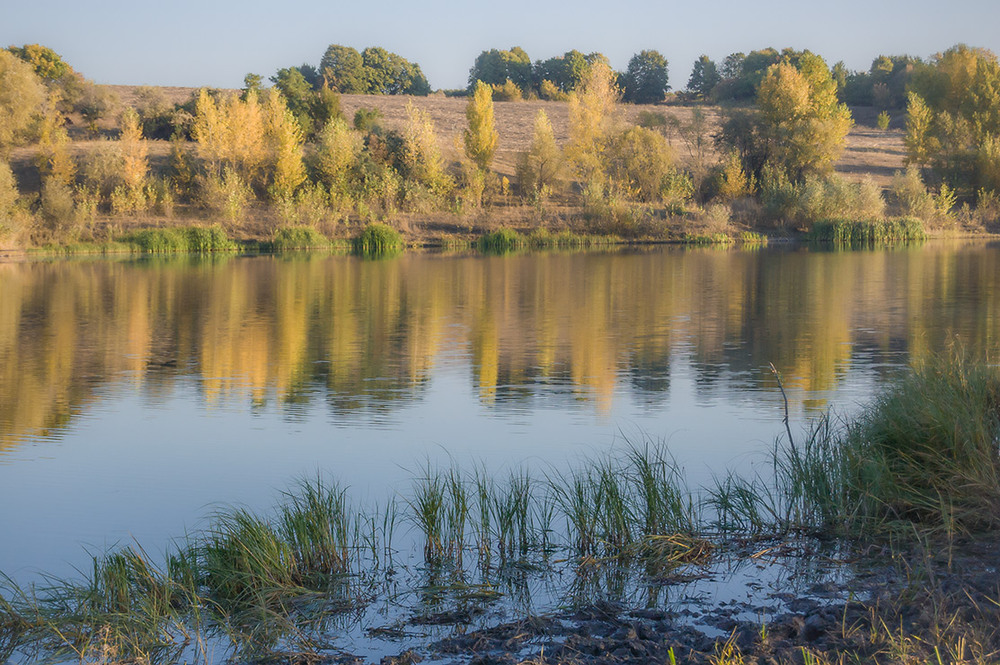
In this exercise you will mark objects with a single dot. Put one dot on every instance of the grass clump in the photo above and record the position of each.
(923, 456)
(501, 241)
(378, 239)
(192, 239)
(706, 239)
(545, 239)
(298, 237)
(926, 450)
(867, 233)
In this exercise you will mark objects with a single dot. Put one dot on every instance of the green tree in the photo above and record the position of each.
(22, 97)
(254, 82)
(646, 79)
(704, 77)
(343, 69)
(495, 67)
(481, 135)
(566, 71)
(387, 73)
(298, 94)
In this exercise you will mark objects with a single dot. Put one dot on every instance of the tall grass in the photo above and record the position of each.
(378, 239)
(501, 241)
(866, 233)
(191, 239)
(298, 237)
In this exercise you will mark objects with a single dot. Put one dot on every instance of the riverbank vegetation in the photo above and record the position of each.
(920, 460)
(265, 159)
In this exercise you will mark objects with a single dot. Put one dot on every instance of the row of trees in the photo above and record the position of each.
(738, 78)
(290, 147)
(645, 81)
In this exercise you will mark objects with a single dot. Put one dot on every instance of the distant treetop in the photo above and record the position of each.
(373, 71)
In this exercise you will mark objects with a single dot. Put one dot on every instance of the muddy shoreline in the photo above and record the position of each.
(935, 600)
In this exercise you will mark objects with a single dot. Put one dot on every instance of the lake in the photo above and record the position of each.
(138, 394)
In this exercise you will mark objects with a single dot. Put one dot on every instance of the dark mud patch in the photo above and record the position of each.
(939, 602)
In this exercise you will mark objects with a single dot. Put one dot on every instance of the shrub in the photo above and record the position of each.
(820, 198)
(158, 241)
(337, 152)
(57, 205)
(730, 181)
(227, 195)
(882, 121)
(377, 239)
(310, 207)
(422, 156)
(910, 196)
(127, 200)
(367, 120)
(508, 91)
(548, 90)
(8, 193)
(640, 165)
(209, 239)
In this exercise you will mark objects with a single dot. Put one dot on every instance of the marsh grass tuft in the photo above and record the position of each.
(298, 237)
(501, 241)
(378, 240)
(868, 233)
(191, 239)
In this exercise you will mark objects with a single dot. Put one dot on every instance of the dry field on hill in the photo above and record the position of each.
(869, 152)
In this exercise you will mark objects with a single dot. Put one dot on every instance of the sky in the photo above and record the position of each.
(216, 42)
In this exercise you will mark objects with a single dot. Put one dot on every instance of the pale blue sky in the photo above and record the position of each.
(216, 42)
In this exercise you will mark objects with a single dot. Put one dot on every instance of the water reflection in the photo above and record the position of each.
(366, 337)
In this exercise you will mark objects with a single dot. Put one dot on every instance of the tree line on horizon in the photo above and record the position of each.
(289, 148)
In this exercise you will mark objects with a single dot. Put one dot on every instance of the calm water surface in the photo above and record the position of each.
(137, 394)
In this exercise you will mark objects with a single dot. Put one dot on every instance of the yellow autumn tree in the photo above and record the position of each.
(803, 123)
(540, 169)
(592, 116)
(422, 155)
(230, 133)
(284, 139)
(130, 195)
(54, 159)
(481, 135)
(337, 150)
(22, 96)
